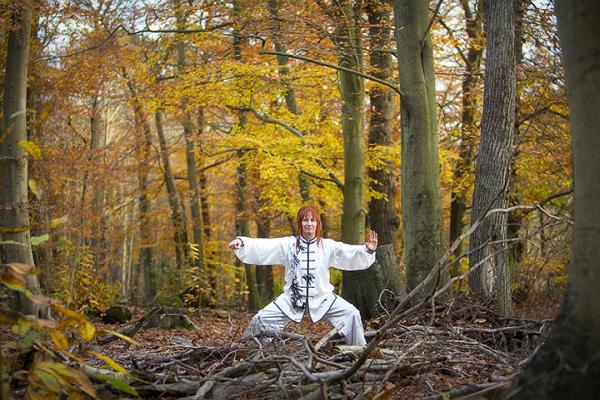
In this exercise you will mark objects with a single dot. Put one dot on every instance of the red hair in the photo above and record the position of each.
(304, 212)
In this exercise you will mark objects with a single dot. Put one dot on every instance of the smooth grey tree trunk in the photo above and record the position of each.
(14, 214)
(469, 125)
(487, 247)
(421, 210)
(567, 365)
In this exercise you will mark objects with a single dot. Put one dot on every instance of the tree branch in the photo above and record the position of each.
(336, 67)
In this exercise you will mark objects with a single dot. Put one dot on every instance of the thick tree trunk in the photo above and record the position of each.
(382, 212)
(348, 41)
(567, 365)
(488, 255)
(421, 210)
(376, 288)
(177, 218)
(15, 243)
(381, 286)
(469, 125)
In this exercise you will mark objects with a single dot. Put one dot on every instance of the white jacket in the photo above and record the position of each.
(306, 269)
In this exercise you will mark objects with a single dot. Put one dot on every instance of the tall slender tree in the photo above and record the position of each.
(469, 123)
(488, 256)
(242, 221)
(190, 143)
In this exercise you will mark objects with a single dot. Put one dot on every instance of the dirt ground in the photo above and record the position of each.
(461, 341)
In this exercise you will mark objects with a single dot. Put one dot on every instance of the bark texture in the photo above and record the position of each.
(14, 209)
(488, 255)
(469, 122)
(567, 366)
(382, 213)
(179, 229)
(348, 41)
(421, 210)
(190, 147)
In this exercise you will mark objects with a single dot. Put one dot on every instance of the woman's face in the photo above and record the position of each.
(309, 226)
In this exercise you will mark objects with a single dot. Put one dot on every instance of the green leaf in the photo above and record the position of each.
(48, 380)
(22, 327)
(35, 189)
(119, 384)
(37, 240)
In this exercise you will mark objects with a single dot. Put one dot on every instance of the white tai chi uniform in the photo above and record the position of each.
(307, 287)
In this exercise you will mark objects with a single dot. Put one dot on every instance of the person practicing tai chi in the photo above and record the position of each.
(307, 257)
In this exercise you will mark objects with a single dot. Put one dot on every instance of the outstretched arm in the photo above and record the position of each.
(260, 251)
(354, 257)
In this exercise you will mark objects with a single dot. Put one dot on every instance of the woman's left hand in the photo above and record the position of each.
(372, 241)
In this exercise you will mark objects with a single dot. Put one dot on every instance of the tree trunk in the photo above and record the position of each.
(143, 284)
(515, 219)
(177, 218)
(487, 246)
(203, 182)
(242, 223)
(469, 125)
(382, 213)
(352, 91)
(421, 210)
(264, 273)
(141, 277)
(188, 133)
(348, 41)
(290, 94)
(567, 365)
(380, 285)
(97, 224)
(14, 214)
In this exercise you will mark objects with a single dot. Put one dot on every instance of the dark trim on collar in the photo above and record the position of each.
(303, 240)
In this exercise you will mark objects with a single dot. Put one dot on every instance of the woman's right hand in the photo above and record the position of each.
(235, 244)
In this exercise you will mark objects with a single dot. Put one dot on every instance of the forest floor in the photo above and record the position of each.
(456, 348)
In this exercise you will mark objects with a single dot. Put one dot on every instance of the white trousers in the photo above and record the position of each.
(341, 314)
